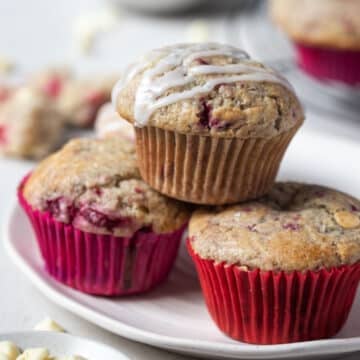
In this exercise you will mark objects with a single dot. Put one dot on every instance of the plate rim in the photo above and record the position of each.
(201, 347)
(193, 347)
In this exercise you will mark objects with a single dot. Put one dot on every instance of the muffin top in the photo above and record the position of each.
(208, 89)
(95, 185)
(324, 23)
(295, 227)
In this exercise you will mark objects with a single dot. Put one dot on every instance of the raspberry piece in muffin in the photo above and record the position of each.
(30, 126)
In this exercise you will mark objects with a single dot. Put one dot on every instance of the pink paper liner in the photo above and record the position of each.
(329, 64)
(265, 307)
(103, 264)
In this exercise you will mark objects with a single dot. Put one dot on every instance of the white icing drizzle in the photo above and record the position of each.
(173, 69)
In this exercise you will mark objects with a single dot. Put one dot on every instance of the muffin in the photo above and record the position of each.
(77, 99)
(326, 34)
(109, 123)
(100, 228)
(281, 269)
(30, 126)
(80, 99)
(211, 124)
(51, 81)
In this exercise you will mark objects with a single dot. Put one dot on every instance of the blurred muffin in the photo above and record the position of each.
(326, 34)
(80, 99)
(30, 126)
(107, 232)
(211, 124)
(109, 123)
(51, 80)
(77, 99)
(281, 269)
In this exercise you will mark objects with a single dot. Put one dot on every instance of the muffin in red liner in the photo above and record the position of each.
(280, 270)
(329, 64)
(326, 35)
(128, 250)
(266, 307)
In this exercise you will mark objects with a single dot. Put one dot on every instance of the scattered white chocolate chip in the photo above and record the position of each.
(48, 325)
(35, 354)
(89, 25)
(237, 215)
(6, 65)
(9, 349)
(198, 31)
(73, 357)
(346, 219)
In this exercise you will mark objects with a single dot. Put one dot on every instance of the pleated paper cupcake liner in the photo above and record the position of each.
(265, 307)
(103, 264)
(330, 64)
(209, 170)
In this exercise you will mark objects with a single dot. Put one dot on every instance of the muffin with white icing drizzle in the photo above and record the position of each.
(280, 269)
(211, 124)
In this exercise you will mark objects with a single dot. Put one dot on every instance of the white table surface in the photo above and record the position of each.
(38, 32)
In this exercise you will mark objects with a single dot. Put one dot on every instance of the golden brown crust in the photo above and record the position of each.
(95, 185)
(296, 227)
(325, 23)
(239, 109)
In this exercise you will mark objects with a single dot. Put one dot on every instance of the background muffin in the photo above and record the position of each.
(109, 123)
(300, 237)
(326, 34)
(90, 196)
(30, 126)
(211, 124)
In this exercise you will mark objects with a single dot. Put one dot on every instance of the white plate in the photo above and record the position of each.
(60, 344)
(174, 316)
(266, 43)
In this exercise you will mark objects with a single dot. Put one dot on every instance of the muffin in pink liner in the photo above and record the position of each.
(100, 228)
(326, 35)
(281, 269)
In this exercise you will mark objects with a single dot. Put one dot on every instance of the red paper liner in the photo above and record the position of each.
(103, 264)
(330, 64)
(265, 307)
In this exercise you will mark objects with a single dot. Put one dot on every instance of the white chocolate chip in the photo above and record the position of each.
(198, 31)
(88, 26)
(346, 219)
(6, 65)
(35, 354)
(73, 357)
(48, 325)
(9, 349)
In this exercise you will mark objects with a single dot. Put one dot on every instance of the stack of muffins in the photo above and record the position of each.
(277, 263)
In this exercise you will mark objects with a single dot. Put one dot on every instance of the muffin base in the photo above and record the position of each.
(208, 170)
(103, 264)
(329, 64)
(265, 307)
